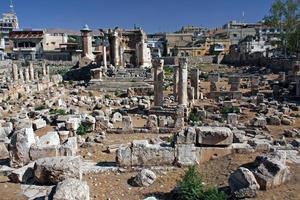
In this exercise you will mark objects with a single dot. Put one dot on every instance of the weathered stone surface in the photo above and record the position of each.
(117, 117)
(4, 154)
(56, 169)
(271, 170)
(186, 136)
(214, 136)
(22, 175)
(187, 154)
(144, 178)
(38, 124)
(72, 189)
(69, 148)
(243, 183)
(21, 142)
(259, 122)
(274, 120)
(123, 156)
(51, 138)
(145, 154)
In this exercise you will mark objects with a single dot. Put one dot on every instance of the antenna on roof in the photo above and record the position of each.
(12, 6)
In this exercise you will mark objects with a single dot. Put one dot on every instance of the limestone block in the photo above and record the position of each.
(56, 169)
(243, 183)
(72, 189)
(214, 136)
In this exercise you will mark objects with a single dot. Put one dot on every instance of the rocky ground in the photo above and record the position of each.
(35, 126)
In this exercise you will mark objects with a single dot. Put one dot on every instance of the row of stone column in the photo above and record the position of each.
(28, 74)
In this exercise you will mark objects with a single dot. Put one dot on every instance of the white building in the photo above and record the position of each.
(2, 47)
(251, 45)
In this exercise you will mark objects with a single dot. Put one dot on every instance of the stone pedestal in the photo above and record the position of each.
(260, 98)
(158, 82)
(183, 82)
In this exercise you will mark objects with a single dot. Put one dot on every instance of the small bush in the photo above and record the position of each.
(168, 71)
(227, 110)
(191, 188)
(194, 116)
(58, 112)
(83, 129)
(107, 96)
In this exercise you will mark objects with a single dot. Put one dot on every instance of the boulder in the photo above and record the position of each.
(274, 120)
(271, 170)
(243, 184)
(56, 169)
(214, 136)
(259, 122)
(117, 117)
(72, 189)
(38, 124)
(21, 142)
(144, 178)
(22, 175)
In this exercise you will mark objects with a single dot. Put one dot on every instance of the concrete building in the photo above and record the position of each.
(237, 31)
(2, 47)
(251, 45)
(41, 44)
(156, 43)
(177, 40)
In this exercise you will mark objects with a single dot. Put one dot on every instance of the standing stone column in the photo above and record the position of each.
(175, 82)
(27, 76)
(158, 82)
(115, 48)
(104, 58)
(21, 74)
(48, 71)
(183, 82)
(44, 70)
(260, 98)
(195, 82)
(15, 72)
(31, 72)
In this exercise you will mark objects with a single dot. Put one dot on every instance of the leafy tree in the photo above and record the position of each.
(285, 15)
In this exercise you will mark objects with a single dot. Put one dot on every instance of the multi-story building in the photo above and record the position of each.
(156, 43)
(41, 44)
(8, 23)
(2, 48)
(237, 31)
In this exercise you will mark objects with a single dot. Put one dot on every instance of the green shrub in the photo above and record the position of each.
(83, 129)
(194, 116)
(58, 112)
(191, 188)
(233, 109)
(168, 71)
(107, 96)
(119, 93)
